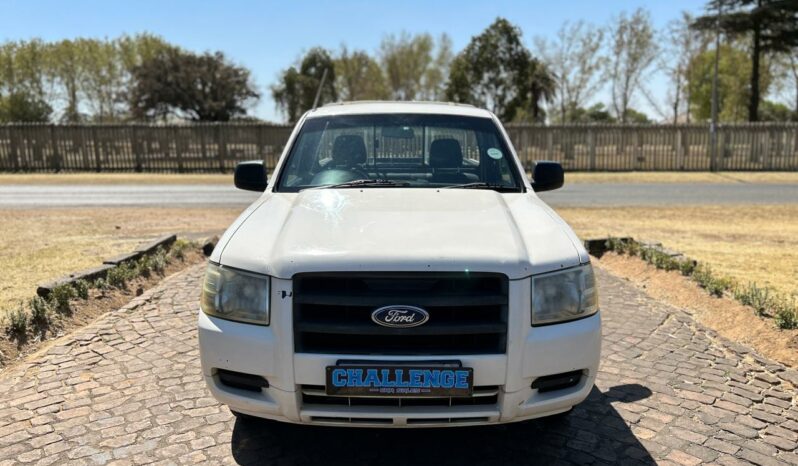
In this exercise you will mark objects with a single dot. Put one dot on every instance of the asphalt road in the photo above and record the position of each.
(574, 195)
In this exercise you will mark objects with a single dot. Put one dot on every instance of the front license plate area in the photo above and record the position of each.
(399, 380)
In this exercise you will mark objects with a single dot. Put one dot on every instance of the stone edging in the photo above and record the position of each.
(144, 249)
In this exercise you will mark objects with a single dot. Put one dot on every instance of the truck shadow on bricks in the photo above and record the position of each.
(593, 433)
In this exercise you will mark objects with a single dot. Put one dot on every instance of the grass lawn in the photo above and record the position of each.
(748, 243)
(42, 244)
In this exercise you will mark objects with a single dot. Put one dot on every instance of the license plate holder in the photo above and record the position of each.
(415, 379)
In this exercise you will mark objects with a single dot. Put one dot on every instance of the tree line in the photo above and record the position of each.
(131, 78)
(584, 73)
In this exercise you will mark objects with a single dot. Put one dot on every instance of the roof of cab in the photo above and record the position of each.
(377, 106)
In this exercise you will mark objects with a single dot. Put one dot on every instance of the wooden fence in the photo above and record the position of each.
(218, 147)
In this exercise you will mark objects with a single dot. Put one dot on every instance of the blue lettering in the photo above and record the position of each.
(355, 377)
(433, 378)
(338, 378)
(447, 379)
(371, 378)
(399, 378)
(415, 378)
(462, 379)
(386, 379)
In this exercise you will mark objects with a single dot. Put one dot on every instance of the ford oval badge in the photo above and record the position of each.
(400, 316)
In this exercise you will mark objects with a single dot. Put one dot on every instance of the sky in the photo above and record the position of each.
(268, 36)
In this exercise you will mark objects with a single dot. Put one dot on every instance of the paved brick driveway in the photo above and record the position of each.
(127, 390)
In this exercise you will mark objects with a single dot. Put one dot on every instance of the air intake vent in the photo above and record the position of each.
(467, 313)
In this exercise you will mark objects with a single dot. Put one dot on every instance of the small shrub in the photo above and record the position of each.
(60, 296)
(716, 286)
(179, 247)
(158, 261)
(786, 314)
(687, 267)
(119, 276)
(758, 298)
(82, 289)
(40, 310)
(17, 322)
(144, 267)
(101, 284)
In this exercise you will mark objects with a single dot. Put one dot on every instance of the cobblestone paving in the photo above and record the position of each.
(127, 390)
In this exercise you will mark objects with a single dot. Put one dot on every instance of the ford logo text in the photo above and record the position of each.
(400, 316)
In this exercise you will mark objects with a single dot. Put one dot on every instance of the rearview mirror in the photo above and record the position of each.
(547, 176)
(250, 176)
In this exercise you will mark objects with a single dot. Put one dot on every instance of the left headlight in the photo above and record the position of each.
(236, 295)
(565, 295)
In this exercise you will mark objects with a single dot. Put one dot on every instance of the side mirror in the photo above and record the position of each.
(250, 176)
(547, 176)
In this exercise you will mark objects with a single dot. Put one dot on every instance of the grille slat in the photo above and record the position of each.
(468, 313)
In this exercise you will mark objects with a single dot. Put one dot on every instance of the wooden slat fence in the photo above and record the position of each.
(215, 147)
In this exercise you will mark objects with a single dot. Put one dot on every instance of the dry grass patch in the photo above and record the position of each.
(682, 177)
(43, 244)
(115, 178)
(748, 243)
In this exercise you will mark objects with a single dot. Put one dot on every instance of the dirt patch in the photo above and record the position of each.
(84, 311)
(726, 316)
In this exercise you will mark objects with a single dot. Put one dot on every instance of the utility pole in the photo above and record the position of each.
(713, 125)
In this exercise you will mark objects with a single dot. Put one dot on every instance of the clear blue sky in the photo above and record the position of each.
(268, 36)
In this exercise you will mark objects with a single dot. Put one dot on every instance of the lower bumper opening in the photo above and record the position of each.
(241, 380)
(482, 396)
(550, 383)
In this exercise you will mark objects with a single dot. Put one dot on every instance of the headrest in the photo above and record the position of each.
(445, 153)
(349, 149)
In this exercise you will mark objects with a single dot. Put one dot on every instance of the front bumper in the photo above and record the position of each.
(532, 352)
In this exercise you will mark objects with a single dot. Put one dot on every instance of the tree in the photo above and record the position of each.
(771, 25)
(415, 67)
(20, 106)
(295, 92)
(575, 58)
(203, 87)
(683, 44)
(633, 50)
(358, 76)
(734, 68)
(497, 72)
(775, 111)
(596, 113)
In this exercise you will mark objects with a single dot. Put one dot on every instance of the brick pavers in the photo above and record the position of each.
(127, 389)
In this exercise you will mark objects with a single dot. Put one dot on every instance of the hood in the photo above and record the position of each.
(398, 230)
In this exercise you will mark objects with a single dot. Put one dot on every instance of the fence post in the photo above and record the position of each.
(220, 141)
(549, 144)
(178, 149)
(13, 139)
(55, 157)
(766, 162)
(591, 147)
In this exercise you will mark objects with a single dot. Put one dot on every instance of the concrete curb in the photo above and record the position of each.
(144, 249)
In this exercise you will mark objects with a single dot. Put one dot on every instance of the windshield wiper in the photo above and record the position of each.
(480, 185)
(362, 184)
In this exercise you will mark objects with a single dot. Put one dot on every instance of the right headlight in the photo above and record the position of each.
(564, 295)
(236, 295)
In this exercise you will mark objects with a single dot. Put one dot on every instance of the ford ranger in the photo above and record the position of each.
(399, 270)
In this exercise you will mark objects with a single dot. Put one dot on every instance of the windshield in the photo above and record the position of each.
(399, 151)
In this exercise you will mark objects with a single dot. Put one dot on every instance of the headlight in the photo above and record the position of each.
(563, 296)
(235, 295)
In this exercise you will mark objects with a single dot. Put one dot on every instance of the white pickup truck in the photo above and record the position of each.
(399, 271)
